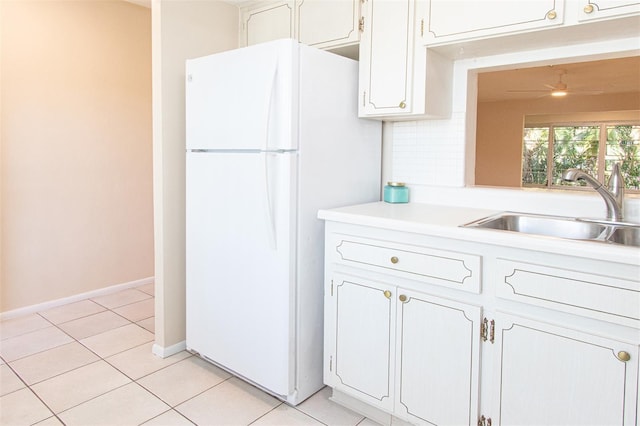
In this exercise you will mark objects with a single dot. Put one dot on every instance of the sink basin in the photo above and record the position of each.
(552, 226)
(562, 227)
(627, 235)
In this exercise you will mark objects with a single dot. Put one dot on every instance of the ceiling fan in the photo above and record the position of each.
(558, 89)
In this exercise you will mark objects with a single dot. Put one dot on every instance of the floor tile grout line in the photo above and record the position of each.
(175, 407)
(125, 304)
(64, 372)
(168, 411)
(293, 407)
(100, 358)
(93, 397)
(137, 380)
(74, 319)
(30, 389)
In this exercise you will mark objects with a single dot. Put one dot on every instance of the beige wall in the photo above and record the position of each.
(499, 130)
(76, 165)
(182, 29)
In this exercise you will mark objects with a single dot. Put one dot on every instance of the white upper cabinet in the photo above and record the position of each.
(399, 78)
(386, 57)
(325, 24)
(458, 20)
(267, 22)
(328, 23)
(599, 9)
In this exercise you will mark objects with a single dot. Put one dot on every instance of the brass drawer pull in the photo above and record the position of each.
(624, 356)
(394, 260)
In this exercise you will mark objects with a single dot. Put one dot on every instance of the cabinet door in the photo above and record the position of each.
(458, 20)
(438, 360)
(599, 9)
(549, 375)
(386, 58)
(361, 336)
(266, 23)
(328, 23)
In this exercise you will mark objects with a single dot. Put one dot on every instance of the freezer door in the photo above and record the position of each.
(239, 263)
(242, 99)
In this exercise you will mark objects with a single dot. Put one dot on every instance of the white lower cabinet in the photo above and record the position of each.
(363, 316)
(407, 353)
(531, 343)
(437, 360)
(550, 375)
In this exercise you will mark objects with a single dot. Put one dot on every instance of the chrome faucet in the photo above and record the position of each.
(613, 196)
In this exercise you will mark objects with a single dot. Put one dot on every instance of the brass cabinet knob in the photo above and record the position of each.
(394, 260)
(387, 294)
(588, 8)
(552, 15)
(402, 105)
(624, 356)
(402, 298)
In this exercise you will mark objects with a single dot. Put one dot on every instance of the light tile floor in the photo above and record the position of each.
(90, 363)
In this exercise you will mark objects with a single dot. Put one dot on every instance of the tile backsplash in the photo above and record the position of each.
(429, 152)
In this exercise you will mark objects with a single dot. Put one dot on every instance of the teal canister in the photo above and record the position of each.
(396, 192)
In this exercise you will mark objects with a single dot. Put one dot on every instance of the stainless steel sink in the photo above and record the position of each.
(627, 235)
(562, 227)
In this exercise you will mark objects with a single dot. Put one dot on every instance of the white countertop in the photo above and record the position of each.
(446, 221)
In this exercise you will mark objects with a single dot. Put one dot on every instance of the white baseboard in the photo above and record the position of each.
(165, 352)
(75, 298)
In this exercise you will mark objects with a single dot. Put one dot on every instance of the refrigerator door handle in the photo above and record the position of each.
(269, 104)
(271, 224)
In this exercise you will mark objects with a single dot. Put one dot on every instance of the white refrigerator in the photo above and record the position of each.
(272, 136)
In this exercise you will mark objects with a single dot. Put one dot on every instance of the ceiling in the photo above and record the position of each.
(598, 77)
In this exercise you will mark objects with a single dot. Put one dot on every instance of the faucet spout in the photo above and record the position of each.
(613, 196)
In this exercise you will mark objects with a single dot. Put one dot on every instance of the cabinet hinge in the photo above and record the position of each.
(484, 421)
(330, 363)
(331, 288)
(361, 24)
(484, 329)
(422, 27)
(488, 330)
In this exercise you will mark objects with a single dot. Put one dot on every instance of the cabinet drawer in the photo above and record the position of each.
(439, 267)
(598, 296)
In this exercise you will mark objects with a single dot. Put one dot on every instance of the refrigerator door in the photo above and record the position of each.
(240, 222)
(242, 99)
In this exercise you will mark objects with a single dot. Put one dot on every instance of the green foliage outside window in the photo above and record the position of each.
(545, 158)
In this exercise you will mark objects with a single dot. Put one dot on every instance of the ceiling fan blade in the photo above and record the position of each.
(587, 92)
(528, 91)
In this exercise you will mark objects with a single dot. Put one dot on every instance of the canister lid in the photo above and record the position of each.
(395, 183)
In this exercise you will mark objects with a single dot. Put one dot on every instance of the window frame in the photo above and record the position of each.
(602, 149)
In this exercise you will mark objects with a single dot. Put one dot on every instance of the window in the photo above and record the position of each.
(549, 150)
